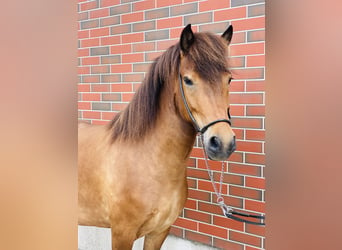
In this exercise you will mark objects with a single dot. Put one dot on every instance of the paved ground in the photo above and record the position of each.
(93, 238)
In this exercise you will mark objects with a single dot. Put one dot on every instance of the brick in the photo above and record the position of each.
(163, 3)
(178, 232)
(109, 21)
(163, 45)
(198, 216)
(101, 69)
(249, 146)
(256, 123)
(83, 16)
(237, 62)
(255, 229)
(100, 87)
(245, 238)
(185, 223)
(121, 29)
(199, 195)
(213, 230)
(99, 32)
(213, 4)
(152, 56)
(233, 179)
(90, 42)
(89, 5)
(226, 222)
(141, 67)
(245, 192)
(169, 22)
(256, 10)
(257, 206)
(120, 49)
(157, 13)
(255, 135)
(249, 24)
(224, 244)
(255, 110)
(110, 40)
(90, 60)
(89, 24)
(101, 106)
(99, 13)
(83, 70)
(198, 18)
(132, 17)
(244, 169)
(123, 87)
(143, 5)
(256, 36)
(247, 49)
(256, 61)
(127, 97)
(119, 106)
(255, 158)
(229, 14)
(209, 207)
(83, 87)
(141, 47)
(131, 58)
(107, 115)
(197, 173)
(81, 34)
(135, 77)
(245, 2)
(121, 9)
(156, 35)
(99, 51)
(84, 105)
(246, 98)
(192, 204)
(217, 28)
(91, 97)
(91, 115)
(111, 78)
(198, 237)
(113, 97)
(107, 3)
(143, 26)
(236, 86)
(252, 86)
(90, 79)
(249, 73)
(112, 59)
(184, 9)
(99, 122)
(255, 182)
(133, 38)
(238, 37)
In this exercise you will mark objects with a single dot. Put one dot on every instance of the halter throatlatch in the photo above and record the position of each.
(227, 210)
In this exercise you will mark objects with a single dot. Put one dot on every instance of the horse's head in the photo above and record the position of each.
(204, 80)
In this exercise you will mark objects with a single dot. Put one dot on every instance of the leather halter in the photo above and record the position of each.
(194, 122)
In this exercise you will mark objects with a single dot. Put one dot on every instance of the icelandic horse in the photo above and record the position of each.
(132, 171)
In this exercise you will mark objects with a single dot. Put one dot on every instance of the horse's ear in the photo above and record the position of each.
(187, 38)
(228, 34)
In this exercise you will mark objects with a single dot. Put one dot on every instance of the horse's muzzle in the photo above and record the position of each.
(217, 151)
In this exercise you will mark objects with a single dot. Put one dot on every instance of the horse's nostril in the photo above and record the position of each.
(215, 144)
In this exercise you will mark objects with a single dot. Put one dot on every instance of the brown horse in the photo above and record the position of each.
(132, 172)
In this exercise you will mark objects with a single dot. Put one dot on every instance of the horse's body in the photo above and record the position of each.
(132, 172)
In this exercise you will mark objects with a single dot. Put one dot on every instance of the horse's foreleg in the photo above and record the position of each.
(122, 241)
(154, 241)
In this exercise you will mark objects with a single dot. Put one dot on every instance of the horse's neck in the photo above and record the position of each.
(172, 134)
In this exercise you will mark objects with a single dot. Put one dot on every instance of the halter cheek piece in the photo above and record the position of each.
(227, 211)
(194, 122)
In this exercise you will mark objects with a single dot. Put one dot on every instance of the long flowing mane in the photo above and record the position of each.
(209, 57)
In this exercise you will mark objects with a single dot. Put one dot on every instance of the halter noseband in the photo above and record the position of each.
(197, 127)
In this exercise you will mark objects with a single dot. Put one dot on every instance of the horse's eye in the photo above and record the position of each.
(230, 79)
(187, 81)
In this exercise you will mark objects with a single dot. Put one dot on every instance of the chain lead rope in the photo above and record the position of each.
(227, 210)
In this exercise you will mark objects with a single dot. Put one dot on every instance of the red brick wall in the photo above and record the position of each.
(118, 40)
